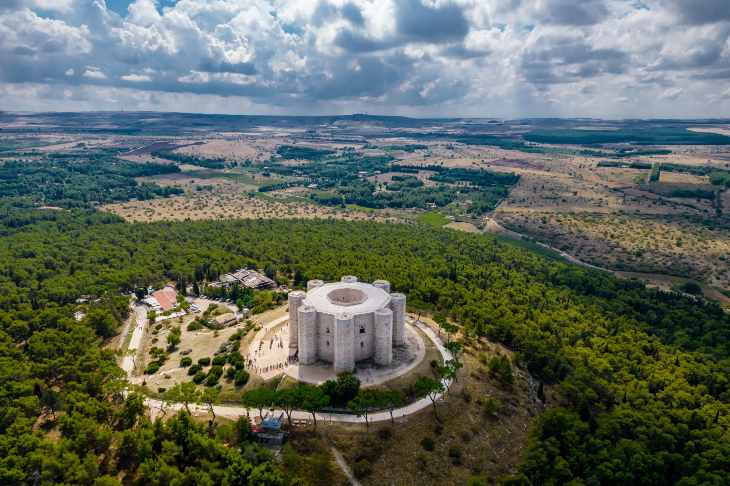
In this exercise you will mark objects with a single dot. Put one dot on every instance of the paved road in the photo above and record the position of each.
(140, 317)
(234, 411)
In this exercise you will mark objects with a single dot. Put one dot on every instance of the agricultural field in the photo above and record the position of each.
(655, 195)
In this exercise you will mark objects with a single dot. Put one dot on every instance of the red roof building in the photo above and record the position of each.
(167, 297)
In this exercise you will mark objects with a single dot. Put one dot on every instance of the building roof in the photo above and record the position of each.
(351, 298)
(166, 296)
(225, 318)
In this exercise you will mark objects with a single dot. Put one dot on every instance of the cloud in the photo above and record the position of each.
(433, 24)
(702, 11)
(554, 59)
(571, 12)
(135, 78)
(427, 57)
(94, 73)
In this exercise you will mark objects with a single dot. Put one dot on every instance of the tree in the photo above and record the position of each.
(287, 400)
(258, 398)
(447, 327)
(501, 368)
(344, 389)
(365, 402)
(450, 369)
(312, 399)
(101, 320)
(428, 387)
(173, 338)
(455, 348)
(392, 399)
(209, 397)
(132, 409)
(185, 393)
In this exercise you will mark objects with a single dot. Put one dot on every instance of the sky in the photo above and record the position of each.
(441, 58)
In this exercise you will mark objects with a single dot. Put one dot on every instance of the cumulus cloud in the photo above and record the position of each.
(418, 57)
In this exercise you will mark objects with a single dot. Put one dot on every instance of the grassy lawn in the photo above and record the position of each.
(362, 209)
(432, 218)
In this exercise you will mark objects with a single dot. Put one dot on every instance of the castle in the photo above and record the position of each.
(346, 322)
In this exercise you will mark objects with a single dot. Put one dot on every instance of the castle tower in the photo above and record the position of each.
(398, 306)
(344, 343)
(384, 285)
(307, 320)
(296, 299)
(383, 336)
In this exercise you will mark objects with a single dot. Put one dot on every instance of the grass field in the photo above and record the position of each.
(433, 218)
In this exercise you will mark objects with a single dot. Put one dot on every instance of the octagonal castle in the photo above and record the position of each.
(346, 322)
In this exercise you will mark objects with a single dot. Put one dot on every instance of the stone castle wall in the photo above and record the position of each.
(326, 330)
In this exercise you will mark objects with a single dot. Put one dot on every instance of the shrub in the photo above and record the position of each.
(241, 378)
(230, 373)
(500, 368)
(219, 360)
(185, 362)
(427, 443)
(691, 287)
(194, 369)
(237, 336)
(199, 377)
(362, 468)
(204, 361)
(477, 481)
(195, 326)
(212, 380)
(385, 433)
(214, 375)
(455, 455)
(236, 360)
(152, 368)
(491, 407)
(161, 390)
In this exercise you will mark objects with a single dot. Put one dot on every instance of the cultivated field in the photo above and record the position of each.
(217, 205)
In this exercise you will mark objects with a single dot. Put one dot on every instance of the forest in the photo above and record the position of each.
(339, 180)
(641, 376)
(665, 135)
(77, 181)
(181, 158)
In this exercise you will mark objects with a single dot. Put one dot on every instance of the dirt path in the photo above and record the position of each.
(345, 468)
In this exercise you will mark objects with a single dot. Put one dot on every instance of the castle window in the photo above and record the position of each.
(362, 329)
(362, 344)
(328, 344)
(327, 330)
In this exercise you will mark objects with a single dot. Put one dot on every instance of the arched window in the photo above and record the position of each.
(362, 344)
(328, 344)
(362, 329)
(327, 330)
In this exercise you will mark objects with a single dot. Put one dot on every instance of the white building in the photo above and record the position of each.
(346, 322)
